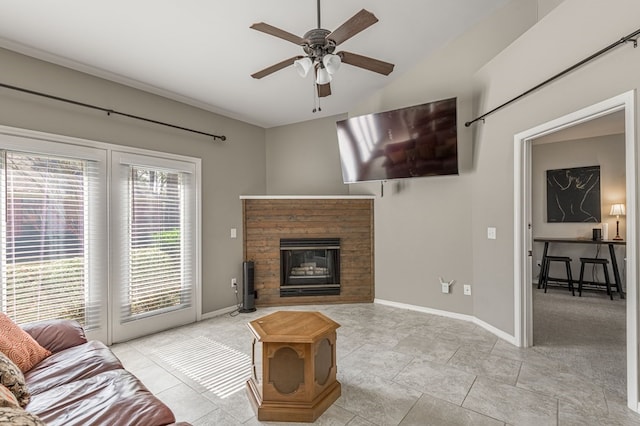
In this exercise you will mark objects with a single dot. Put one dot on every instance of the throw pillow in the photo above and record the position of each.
(19, 346)
(18, 417)
(13, 379)
(7, 399)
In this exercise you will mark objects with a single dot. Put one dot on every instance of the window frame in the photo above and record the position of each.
(31, 141)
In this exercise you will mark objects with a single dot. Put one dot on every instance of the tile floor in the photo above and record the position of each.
(396, 367)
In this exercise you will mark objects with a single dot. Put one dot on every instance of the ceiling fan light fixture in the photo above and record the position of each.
(323, 76)
(331, 62)
(303, 66)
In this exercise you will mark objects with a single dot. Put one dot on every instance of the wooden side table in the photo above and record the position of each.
(294, 377)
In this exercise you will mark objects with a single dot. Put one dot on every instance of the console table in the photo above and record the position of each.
(612, 253)
(294, 369)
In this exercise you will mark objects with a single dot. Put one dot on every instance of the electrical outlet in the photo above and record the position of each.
(467, 290)
(234, 282)
(491, 233)
(445, 288)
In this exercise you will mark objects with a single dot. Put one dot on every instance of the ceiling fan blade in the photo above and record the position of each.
(358, 22)
(367, 63)
(324, 90)
(276, 67)
(277, 32)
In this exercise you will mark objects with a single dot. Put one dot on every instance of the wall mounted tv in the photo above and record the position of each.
(416, 141)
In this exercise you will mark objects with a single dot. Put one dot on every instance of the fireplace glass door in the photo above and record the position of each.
(309, 266)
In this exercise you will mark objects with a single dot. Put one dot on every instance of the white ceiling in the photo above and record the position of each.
(202, 52)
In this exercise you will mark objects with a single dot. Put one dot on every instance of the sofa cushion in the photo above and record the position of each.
(18, 417)
(113, 397)
(56, 335)
(13, 379)
(75, 363)
(7, 398)
(19, 346)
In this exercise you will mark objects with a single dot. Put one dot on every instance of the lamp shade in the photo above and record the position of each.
(323, 76)
(303, 66)
(617, 210)
(331, 62)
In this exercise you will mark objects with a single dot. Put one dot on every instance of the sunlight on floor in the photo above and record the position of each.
(219, 368)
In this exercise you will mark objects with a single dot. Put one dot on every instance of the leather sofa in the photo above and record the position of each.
(84, 383)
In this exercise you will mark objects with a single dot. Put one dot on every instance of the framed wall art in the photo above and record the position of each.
(573, 195)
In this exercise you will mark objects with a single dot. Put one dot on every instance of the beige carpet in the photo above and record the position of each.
(588, 333)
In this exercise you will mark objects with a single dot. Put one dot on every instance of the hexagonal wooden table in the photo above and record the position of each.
(294, 379)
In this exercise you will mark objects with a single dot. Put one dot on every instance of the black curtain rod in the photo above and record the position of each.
(111, 111)
(631, 37)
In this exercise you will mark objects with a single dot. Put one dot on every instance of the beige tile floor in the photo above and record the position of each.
(397, 367)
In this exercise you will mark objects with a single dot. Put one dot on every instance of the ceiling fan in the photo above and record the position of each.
(319, 46)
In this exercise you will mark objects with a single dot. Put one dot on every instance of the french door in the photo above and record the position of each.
(94, 234)
(153, 222)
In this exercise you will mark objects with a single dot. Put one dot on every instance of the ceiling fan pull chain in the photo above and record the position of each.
(315, 98)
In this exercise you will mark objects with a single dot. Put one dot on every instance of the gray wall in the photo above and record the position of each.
(422, 226)
(431, 227)
(565, 36)
(546, 6)
(605, 151)
(303, 159)
(229, 168)
(425, 228)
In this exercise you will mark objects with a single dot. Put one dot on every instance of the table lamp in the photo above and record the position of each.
(617, 210)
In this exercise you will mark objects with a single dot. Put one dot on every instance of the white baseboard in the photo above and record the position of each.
(448, 314)
(219, 312)
(470, 318)
(491, 329)
(454, 315)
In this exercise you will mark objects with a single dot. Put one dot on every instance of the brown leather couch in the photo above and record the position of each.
(84, 383)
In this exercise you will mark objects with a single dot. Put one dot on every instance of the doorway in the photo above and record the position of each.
(523, 241)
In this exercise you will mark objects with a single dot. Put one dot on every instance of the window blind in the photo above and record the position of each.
(46, 238)
(158, 268)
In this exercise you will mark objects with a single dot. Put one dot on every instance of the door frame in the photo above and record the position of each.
(523, 240)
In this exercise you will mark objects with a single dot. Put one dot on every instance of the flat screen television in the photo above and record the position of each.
(416, 141)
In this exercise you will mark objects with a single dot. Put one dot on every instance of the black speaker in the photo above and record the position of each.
(248, 291)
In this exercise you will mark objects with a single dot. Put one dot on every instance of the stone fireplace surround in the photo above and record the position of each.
(267, 219)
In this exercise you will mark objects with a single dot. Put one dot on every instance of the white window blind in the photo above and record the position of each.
(46, 237)
(158, 270)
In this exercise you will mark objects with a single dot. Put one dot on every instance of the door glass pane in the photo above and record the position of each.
(158, 264)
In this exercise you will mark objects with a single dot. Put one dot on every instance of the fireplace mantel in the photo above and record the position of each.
(267, 219)
(307, 197)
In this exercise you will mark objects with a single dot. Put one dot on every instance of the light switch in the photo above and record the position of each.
(234, 234)
(491, 233)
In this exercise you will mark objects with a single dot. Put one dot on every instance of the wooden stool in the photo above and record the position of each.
(595, 261)
(547, 264)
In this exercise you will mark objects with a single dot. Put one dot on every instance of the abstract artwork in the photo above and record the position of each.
(573, 195)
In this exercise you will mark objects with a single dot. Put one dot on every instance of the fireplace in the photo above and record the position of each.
(309, 266)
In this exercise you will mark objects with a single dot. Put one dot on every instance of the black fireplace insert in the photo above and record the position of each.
(309, 266)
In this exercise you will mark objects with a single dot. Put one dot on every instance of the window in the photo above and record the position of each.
(47, 237)
(123, 262)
